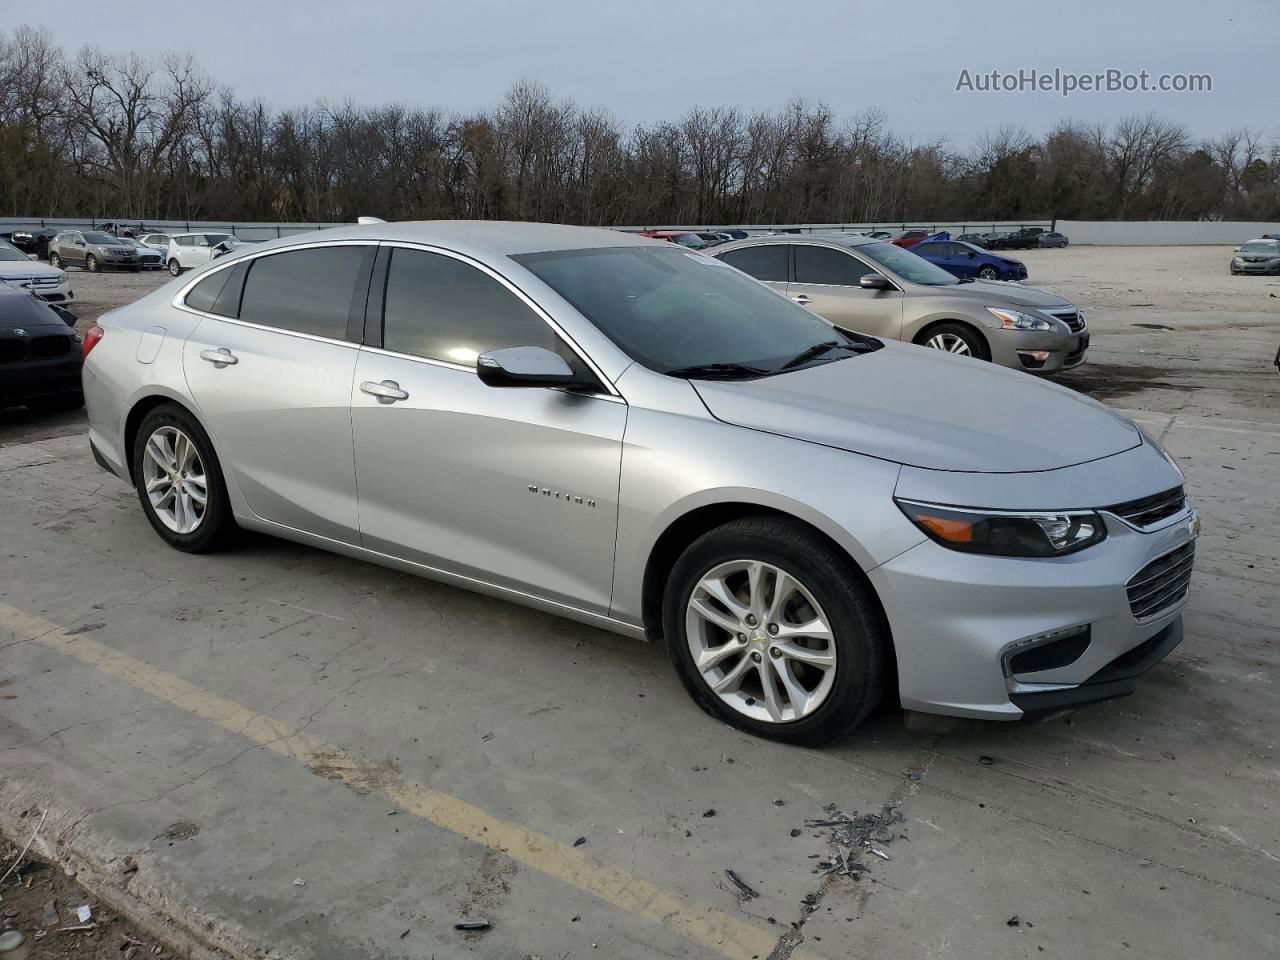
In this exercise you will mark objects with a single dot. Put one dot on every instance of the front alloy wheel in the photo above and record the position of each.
(773, 629)
(989, 273)
(760, 641)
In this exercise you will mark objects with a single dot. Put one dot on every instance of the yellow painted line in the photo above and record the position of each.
(729, 936)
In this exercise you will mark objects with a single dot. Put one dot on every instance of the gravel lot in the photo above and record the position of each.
(358, 759)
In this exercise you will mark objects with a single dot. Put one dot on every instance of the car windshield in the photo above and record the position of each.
(673, 310)
(101, 238)
(690, 240)
(1261, 246)
(9, 252)
(906, 264)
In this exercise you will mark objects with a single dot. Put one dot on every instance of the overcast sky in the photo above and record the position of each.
(649, 60)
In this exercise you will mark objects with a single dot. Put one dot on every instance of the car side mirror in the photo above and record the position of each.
(523, 367)
(874, 281)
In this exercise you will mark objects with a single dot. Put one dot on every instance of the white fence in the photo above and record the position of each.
(1165, 232)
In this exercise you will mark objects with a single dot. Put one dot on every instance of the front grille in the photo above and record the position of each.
(1161, 583)
(33, 283)
(42, 348)
(12, 350)
(1152, 509)
(1074, 319)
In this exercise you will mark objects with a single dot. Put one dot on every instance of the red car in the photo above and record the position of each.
(909, 239)
(686, 238)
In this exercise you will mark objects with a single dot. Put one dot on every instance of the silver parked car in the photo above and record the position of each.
(92, 250)
(877, 288)
(634, 435)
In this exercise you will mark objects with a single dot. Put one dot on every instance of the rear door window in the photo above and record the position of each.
(304, 291)
(767, 261)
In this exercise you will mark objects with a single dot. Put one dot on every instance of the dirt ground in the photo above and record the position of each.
(41, 902)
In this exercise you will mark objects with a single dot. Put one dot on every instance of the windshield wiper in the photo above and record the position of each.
(817, 350)
(717, 371)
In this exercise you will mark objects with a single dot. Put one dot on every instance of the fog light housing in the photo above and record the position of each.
(1033, 359)
(1046, 651)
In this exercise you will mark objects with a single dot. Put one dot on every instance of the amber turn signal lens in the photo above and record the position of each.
(953, 531)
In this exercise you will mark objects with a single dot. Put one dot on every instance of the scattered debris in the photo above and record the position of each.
(986, 761)
(851, 835)
(11, 941)
(299, 882)
(1013, 921)
(85, 628)
(180, 830)
(406, 932)
(580, 841)
(710, 813)
(796, 831)
(779, 803)
(737, 881)
(83, 913)
(477, 924)
(50, 916)
(34, 833)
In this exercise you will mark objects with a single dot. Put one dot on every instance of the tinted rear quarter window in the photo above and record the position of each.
(827, 266)
(768, 261)
(443, 309)
(305, 291)
(205, 293)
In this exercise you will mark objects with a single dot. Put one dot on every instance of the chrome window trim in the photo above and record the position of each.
(179, 298)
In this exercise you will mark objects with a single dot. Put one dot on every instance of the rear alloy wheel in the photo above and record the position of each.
(958, 339)
(179, 481)
(175, 268)
(91, 263)
(771, 631)
(988, 273)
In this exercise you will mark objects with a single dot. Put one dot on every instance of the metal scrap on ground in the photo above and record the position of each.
(851, 835)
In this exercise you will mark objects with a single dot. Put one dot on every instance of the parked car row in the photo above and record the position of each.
(811, 520)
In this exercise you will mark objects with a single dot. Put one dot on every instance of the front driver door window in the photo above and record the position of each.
(826, 281)
(515, 487)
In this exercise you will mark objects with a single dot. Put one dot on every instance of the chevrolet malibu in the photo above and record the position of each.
(639, 437)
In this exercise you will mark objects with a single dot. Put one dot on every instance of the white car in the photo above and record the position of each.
(19, 270)
(156, 241)
(189, 250)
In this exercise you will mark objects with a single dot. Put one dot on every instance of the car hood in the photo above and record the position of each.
(925, 408)
(31, 268)
(994, 293)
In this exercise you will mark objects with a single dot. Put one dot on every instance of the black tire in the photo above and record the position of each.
(135, 269)
(55, 260)
(217, 526)
(175, 268)
(58, 404)
(988, 273)
(976, 344)
(861, 641)
(91, 263)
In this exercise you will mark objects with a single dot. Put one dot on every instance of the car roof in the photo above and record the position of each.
(483, 237)
(818, 239)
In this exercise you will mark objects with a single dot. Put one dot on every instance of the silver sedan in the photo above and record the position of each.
(642, 438)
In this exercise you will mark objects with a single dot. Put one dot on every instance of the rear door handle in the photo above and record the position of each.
(802, 299)
(388, 391)
(222, 357)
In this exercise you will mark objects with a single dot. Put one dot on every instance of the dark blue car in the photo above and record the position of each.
(967, 260)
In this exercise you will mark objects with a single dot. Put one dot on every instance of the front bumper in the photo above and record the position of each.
(1037, 351)
(957, 618)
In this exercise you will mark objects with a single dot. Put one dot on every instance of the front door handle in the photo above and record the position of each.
(388, 391)
(222, 357)
(802, 299)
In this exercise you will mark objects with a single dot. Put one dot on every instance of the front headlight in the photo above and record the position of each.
(1013, 320)
(994, 533)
